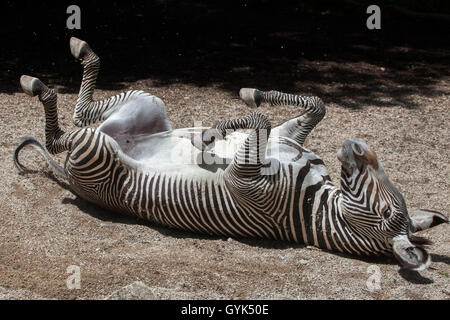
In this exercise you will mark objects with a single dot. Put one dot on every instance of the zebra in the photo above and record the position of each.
(260, 183)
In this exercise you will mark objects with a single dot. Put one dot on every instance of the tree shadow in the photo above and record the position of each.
(318, 48)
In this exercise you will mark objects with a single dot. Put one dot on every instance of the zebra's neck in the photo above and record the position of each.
(333, 232)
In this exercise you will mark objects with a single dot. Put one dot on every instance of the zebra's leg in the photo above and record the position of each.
(297, 128)
(250, 157)
(89, 111)
(56, 140)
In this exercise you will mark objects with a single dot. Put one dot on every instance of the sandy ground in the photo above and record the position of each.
(45, 228)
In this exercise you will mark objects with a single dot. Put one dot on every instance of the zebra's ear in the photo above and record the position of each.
(424, 219)
(409, 255)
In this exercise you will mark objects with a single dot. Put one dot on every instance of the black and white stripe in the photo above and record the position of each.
(87, 110)
(299, 127)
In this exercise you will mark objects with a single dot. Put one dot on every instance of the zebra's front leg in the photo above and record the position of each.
(250, 157)
(297, 128)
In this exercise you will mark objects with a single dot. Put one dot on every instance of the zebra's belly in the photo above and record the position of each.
(173, 151)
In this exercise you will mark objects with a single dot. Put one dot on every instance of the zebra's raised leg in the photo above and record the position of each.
(89, 111)
(297, 128)
(250, 157)
(56, 140)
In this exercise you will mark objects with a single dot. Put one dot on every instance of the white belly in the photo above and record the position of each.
(173, 151)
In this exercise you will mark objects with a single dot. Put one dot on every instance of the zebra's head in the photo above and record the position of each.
(375, 209)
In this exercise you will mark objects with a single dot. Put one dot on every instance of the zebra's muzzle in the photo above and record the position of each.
(409, 255)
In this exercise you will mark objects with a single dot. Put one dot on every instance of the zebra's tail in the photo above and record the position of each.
(28, 141)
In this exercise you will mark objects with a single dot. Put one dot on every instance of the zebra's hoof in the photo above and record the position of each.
(79, 48)
(31, 86)
(251, 97)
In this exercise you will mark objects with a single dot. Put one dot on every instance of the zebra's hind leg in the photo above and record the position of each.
(297, 128)
(87, 110)
(56, 140)
(80, 49)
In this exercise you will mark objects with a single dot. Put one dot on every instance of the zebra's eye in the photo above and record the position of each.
(387, 213)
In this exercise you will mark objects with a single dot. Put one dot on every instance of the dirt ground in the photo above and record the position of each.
(45, 228)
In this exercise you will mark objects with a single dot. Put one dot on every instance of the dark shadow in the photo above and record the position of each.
(440, 258)
(312, 47)
(59, 181)
(381, 260)
(101, 213)
(48, 174)
(109, 216)
(414, 277)
(270, 244)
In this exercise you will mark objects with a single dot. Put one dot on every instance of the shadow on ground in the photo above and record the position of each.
(108, 216)
(312, 47)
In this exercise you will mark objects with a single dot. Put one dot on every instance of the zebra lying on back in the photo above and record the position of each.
(258, 184)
